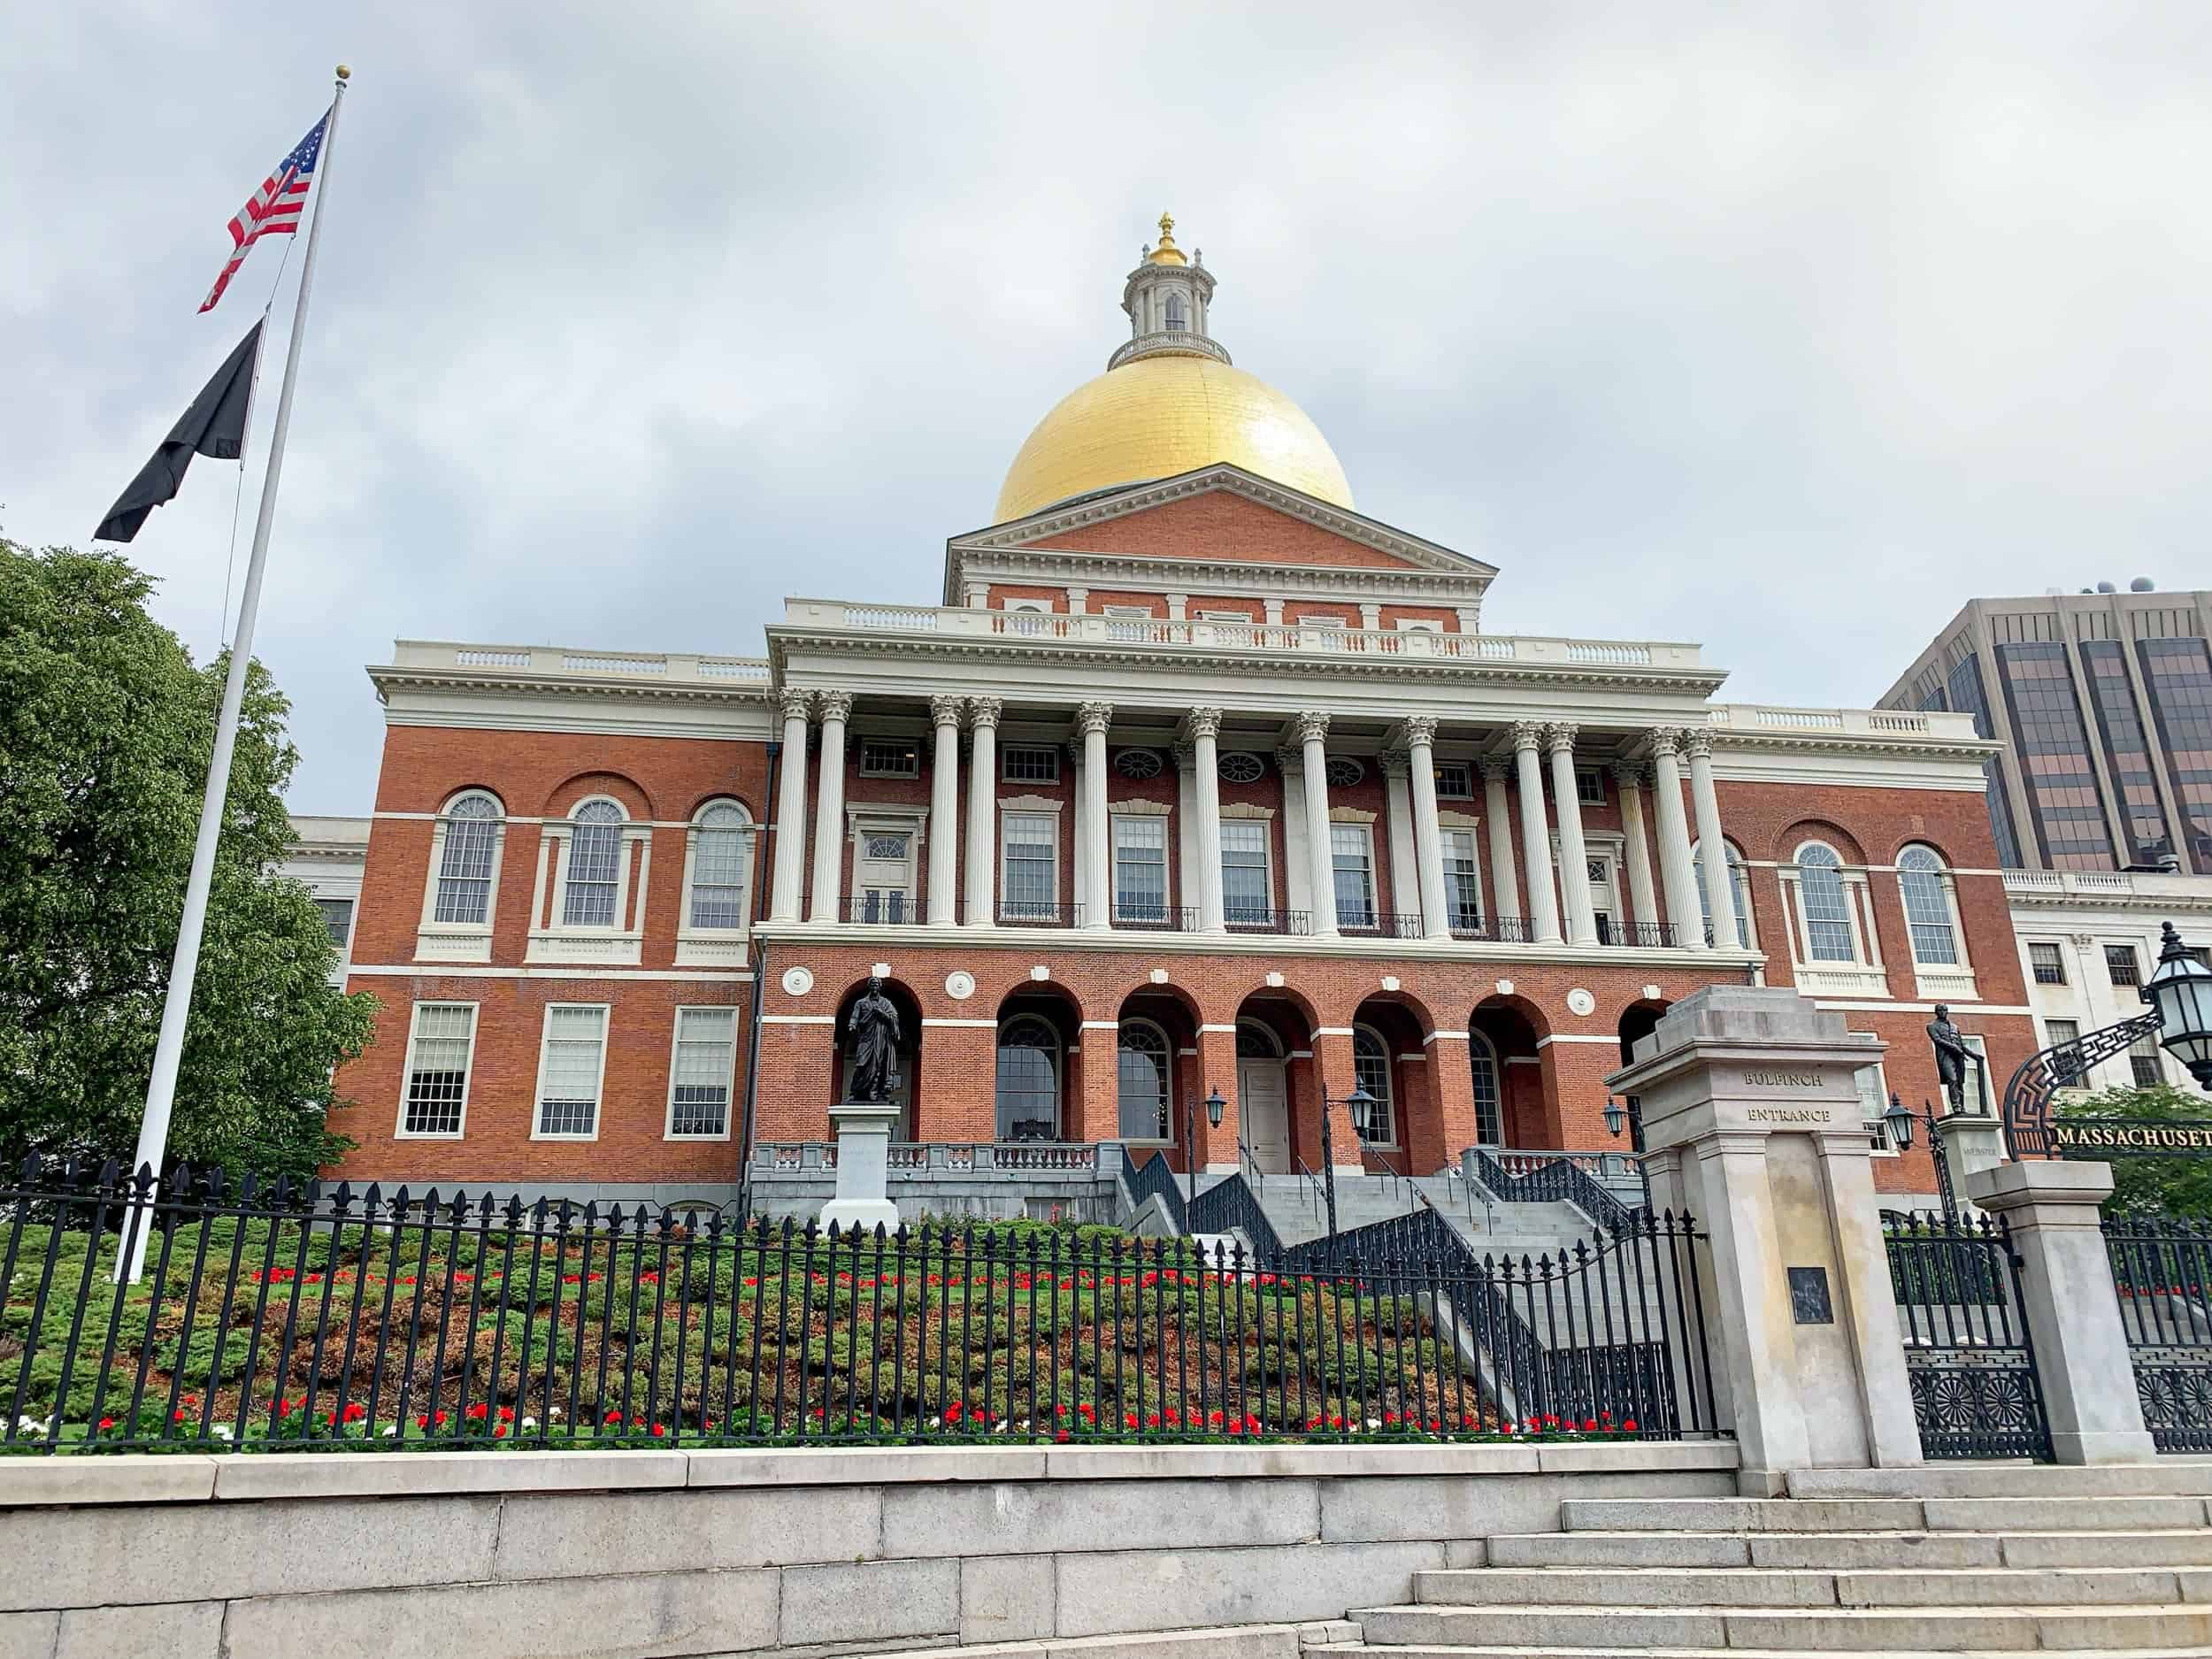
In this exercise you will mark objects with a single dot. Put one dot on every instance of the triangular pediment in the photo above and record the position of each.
(1219, 514)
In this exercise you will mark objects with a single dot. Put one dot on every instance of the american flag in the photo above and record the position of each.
(275, 207)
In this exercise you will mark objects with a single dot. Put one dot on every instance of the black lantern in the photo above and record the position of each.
(1616, 1117)
(1215, 1106)
(1899, 1122)
(1363, 1105)
(2181, 991)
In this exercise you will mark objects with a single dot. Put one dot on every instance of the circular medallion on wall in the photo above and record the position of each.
(797, 981)
(1342, 772)
(1138, 762)
(960, 985)
(1238, 767)
(1580, 1002)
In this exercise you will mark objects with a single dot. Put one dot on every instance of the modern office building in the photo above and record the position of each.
(2103, 703)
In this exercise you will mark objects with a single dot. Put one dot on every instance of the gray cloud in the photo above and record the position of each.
(1785, 331)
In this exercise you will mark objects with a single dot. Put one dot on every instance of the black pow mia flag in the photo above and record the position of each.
(215, 426)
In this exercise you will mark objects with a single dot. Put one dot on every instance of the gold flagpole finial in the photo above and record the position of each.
(345, 74)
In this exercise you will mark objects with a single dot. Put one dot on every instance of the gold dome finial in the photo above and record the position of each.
(1167, 252)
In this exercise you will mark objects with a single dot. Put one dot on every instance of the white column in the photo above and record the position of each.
(1628, 778)
(1676, 875)
(1297, 866)
(1574, 853)
(829, 806)
(1712, 849)
(1505, 885)
(1428, 834)
(1405, 863)
(1543, 903)
(783, 897)
(1091, 719)
(1204, 726)
(983, 714)
(944, 811)
(1313, 741)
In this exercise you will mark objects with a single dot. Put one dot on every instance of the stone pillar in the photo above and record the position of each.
(1290, 765)
(1628, 778)
(1204, 726)
(1313, 737)
(1405, 879)
(1972, 1143)
(1215, 1148)
(1505, 886)
(2073, 1312)
(1091, 719)
(829, 808)
(1543, 904)
(1334, 1074)
(983, 714)
(783, 900)
(944, 811)
(1574, 853)
(1712, 847)
(1752, 1118)
(1676, 870)
(863, 1171)
(1428, 835)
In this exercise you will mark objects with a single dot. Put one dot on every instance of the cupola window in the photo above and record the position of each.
(1178, 319)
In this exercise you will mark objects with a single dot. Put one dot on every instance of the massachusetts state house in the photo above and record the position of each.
(1196, 779)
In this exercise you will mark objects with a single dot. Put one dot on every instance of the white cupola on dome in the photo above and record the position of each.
(1166, 297)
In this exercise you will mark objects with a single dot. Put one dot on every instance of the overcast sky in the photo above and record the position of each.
(1783, 328)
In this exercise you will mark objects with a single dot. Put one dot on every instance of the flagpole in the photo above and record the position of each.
(161, 1088)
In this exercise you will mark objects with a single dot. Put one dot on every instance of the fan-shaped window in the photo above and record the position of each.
(1342, 772)
(1482, 1059)
(721, 851)
(1240, 767)
(1138, 762)
(1254, 1043)
(1738, 890)
(1827, 906)
(1141, 1081)
(1028, 1079)
(464, 862)
(1178, 319)
(1927, 906)
(1371, 1069)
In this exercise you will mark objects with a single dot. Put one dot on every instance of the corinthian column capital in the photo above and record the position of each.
(1559, 738)
(837, 705)
(1698, 745)
(1395, 763)
(1666, 740)
(1628, 773)
(1312, 727)
(984, 711)
(944, 712)
(1093, 717)
(795, 703)
(1495, 768)
(1417, 730)
(1202, 723)
(1529, 735)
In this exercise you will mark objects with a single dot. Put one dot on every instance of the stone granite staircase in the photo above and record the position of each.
(1997, 1560)
(1499, 1229)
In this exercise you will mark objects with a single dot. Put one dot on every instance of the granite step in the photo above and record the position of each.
(1855, 1551)
(1766, 1587)
(1798, 1629)
(2118, 1513)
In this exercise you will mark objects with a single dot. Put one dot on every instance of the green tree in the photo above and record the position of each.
(2180, 1185)
(105, 729)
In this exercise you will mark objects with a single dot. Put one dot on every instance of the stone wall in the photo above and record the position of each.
(484, 1555)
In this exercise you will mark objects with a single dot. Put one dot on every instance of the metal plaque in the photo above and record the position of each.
(1808, 1296)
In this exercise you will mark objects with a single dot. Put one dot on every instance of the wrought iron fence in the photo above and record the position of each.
(1969, 1356)
(1247, 918)
(282, 1317)
(2161, 1267)
(1152, 1179)
(1550, 1181)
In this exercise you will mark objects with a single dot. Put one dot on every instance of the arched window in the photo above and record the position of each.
(1738, 889)
(1178, 319)
(595, 865)
(721, 855)
(1827, 907)
(470, 836)
(1489, 1119)
(1028, 1079)
(1928, 914)
(1141, 1077)
(1370, 1069)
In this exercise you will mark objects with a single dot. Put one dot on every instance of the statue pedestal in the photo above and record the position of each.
(863, 1172)
(1971, 1143)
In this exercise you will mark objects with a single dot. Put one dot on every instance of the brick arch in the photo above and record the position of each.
(1528, 1090)
(1294, 998)
(1931, 843)
(446, 800)
(562, 799)
(700, 799)
(1817, 829)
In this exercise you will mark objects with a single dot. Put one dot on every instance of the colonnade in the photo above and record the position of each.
(1560, 908)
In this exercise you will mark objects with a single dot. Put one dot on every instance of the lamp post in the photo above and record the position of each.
(1362, 1104)
(2181, 993)
(1898, 1120)
(1215, 1106)
(1619, 1116)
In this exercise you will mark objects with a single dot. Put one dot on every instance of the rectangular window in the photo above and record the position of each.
(1589, 786)
(1029, 762)
(2049, 963)
(1353, 860)
(1462, 886)
(438, 1055)
(569, 1069)
(595, 876)
(1245, 894)
(1454, 780)
(1031, 841)
(699, 1075)
(2143, 1062)
(1139, 869)
(2120, 963)
(889, 758)
(337, 916)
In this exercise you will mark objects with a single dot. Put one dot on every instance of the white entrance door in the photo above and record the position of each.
(883, 878)
(1263, 1113)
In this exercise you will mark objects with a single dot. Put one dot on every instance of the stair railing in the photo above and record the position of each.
(1559, 1181)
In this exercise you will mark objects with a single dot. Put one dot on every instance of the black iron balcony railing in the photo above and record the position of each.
(1637, 935)
(1039, 913)
(1244, 918)
(1146, 917)
(1497, 930)
(1383, 924)
(893, 908)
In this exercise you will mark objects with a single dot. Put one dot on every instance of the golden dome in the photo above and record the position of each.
(1157, 416)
